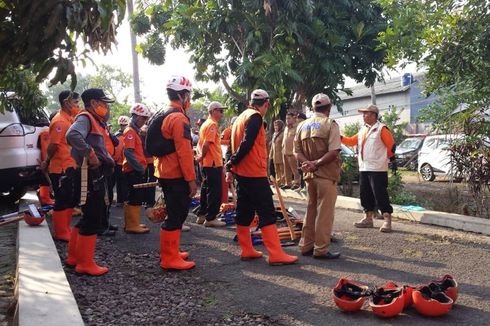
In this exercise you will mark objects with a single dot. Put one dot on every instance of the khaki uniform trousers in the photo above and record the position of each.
(291, 169)
(318, 223)
(279, 168)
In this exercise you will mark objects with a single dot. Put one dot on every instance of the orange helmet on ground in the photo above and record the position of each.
(431, 303)
(31, 220)
(446, 284)
(349, 295)
(407, 294)
(387, 301)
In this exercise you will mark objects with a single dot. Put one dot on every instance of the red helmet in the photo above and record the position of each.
(31, 220)
(387, 301)
(349, 295)
(431, 303)
(446, 284)
(407, 294)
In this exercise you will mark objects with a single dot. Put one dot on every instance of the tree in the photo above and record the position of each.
(451, 39)
(39, 36)
(351, 129)
(390, 119)
(293, 49)
(112, 80)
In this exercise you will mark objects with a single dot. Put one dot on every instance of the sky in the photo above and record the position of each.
(153, 78)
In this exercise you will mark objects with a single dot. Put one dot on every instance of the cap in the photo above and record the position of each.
(95, 94)
(260, 94)
(215, 105)
(320, 99)
(66, 94)
(301, 115)
(370, 108)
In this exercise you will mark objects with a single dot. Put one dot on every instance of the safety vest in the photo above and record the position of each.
(254, 164)
(98, 138)
(372, 151)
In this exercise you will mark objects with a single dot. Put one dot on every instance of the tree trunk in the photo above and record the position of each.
(134, 54)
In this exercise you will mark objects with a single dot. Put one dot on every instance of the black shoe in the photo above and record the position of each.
(328, 255)
(106, 233)
(285, 187)
(113, 227)
(308, 253)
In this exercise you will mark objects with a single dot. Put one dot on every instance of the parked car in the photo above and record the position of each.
(19, 151)
(407, 152)
(434, 158)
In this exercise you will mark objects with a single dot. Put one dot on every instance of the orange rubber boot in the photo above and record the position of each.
(71, 260)
(170, 257)
(277, 256)
(245, 240)
(68, 216)
(59, 223)
(85, 256)
(45, 196)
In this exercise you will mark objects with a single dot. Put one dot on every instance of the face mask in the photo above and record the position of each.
(101, 111)
(74, 110)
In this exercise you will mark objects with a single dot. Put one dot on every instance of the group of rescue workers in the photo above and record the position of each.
(85, 161)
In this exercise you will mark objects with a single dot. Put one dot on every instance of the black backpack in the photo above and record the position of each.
(155, 143)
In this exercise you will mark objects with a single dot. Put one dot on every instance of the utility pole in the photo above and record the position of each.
(373, 95)
(134, 54)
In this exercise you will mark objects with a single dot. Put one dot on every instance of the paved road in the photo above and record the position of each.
(301, 294)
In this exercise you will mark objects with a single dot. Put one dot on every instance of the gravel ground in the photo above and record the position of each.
(222, 290)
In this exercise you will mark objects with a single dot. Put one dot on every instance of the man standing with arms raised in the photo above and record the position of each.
(248, 161)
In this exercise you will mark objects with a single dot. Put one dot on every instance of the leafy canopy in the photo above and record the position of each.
(293, 49)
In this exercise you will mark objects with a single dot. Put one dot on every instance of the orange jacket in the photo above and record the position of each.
(226, 136)
(119, 150)
(43, 143)
(58, 127)
(254, 164)
(133, 141)
(179, 164)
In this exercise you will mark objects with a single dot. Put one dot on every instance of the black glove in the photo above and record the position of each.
(393, 165)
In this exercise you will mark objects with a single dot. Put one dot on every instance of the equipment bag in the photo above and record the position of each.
(155, 143)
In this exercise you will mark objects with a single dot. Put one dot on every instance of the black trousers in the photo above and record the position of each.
(211, 189)
(177, 200)
(111, 182)
(95, 209)
(136, 197)
(150, 192)
(374, 191)
(66, 188)
(121, 185)
(254, 195)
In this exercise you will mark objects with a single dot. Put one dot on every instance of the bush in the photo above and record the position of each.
(398, 194)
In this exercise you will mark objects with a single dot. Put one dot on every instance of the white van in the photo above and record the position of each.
(19, 150)
(435, 158)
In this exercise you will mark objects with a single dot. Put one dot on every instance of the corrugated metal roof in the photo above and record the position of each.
(387, 86)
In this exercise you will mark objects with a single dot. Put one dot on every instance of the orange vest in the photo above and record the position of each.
(98, 138)
(254, 164)
(43, 143)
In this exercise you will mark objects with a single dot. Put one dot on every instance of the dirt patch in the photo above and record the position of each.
(439, 195)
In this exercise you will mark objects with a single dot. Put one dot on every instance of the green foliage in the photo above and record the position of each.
(398, 194)
(350, 173)
(293, 49)
(351, 129)
(448, 37)
(39, 36)
(390, 119)
(23, 83)
(112, 80)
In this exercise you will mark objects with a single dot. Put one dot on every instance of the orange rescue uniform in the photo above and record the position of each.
(209, 132)
(62, 159)
(133, 141)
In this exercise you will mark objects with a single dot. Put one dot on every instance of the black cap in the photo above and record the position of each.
(66, 94)
(95, 94)
(301, 115)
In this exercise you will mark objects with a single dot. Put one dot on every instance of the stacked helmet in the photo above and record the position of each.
(179, 83)
(407, 294)
(431, 303)
(31, 220)
(446, 284)
(123, 120)
(387, 301)
(349, 295)
(141, 110)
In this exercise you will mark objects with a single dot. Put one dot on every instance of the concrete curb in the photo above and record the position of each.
(44, 294)
(454, 221)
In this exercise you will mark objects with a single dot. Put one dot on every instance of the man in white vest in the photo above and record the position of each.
(376, 148)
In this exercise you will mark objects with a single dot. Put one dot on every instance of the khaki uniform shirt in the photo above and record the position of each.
(276, 148)
(315, 137)
(288, 141)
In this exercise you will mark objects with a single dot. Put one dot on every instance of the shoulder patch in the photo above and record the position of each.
(58, 129)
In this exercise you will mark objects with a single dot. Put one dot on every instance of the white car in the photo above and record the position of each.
(435, 158)
(19, 150)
